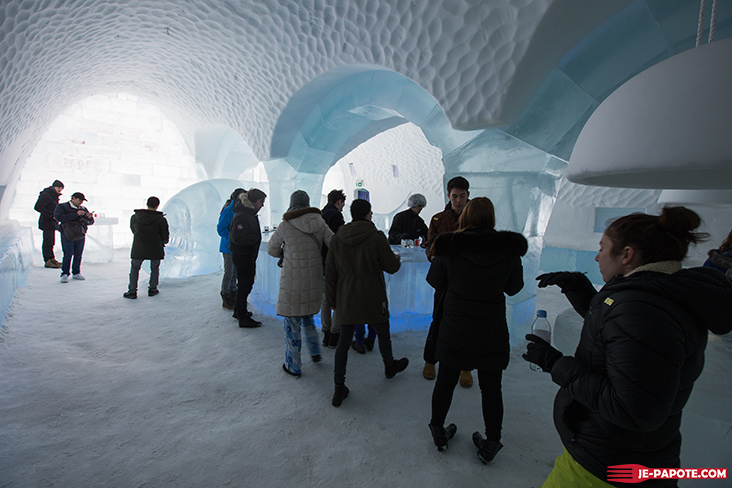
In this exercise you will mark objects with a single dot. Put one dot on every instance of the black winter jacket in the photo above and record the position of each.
(475, 268)
(45, 205)
(151, 234)
(407, 225)
(333, 217)
(251, 227)
(641, 349)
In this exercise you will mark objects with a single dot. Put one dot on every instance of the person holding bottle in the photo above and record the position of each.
(541, 328)
(475, 266)
(642, 347)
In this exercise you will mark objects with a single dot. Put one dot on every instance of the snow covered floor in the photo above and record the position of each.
(97, 390)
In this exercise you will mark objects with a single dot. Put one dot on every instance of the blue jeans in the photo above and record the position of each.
(293, 342)
(71, 249)
(228, 282)
(360, 333)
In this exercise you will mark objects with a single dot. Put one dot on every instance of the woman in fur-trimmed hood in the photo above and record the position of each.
(299, 240)
(475, 266)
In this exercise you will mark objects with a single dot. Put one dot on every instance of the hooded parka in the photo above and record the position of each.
(476, 268)
(641, 349)
(250, 226)
(299, 238)
(45, 205)
(151, 234)
(359, 255)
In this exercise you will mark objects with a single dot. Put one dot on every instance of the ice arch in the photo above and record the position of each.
(346, 107)
(223, 152)
(336, 112)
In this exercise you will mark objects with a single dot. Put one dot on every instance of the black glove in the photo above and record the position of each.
(565, 280)
(541, 353)
(577, 287)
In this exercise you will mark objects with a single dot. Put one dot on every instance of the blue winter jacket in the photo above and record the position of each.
(223, 227)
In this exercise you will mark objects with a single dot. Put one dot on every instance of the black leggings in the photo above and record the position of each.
(490, 394)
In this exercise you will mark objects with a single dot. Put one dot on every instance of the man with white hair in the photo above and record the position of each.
(408, 224)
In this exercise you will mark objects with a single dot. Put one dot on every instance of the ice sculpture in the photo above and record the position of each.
(192, 215)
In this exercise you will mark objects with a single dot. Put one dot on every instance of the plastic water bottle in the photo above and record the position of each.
(541, 328)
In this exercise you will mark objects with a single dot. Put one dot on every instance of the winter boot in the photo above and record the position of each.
(333, 342)
(326, 338)
(360, 348)
(130, 294)
(466, 379)
(429, 371)
(340, 394)
(151, 292)
(227, 302)
(396, 366)
(287, 370)
(249, 323)
(487, 450)
(442, 435)
(52, 263)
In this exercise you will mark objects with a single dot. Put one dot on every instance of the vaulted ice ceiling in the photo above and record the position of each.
(262, 68)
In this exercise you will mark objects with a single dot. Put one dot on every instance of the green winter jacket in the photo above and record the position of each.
(354, 273)
(151, 234)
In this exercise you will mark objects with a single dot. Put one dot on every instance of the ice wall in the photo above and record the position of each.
(16, 251)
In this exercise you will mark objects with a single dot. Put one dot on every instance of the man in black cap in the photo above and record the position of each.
(73, 219)
(45, 205)
(354, 287)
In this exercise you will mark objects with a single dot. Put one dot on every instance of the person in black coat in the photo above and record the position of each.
(45, 205)
(73, 219)
(245, 235)
(333, 216)
(641, 348)
(474, 266)
(408, 224)
(151, 234)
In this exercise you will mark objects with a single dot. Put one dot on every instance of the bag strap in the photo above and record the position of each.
(316, 241)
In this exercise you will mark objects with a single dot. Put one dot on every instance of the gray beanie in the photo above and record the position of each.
(417, 200)
(299, 199)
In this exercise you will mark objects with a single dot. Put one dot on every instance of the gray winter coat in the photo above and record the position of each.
(301, 278)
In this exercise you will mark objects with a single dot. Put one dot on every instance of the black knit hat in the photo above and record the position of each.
(360, 209)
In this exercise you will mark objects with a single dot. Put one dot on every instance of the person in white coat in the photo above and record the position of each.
(299, 240)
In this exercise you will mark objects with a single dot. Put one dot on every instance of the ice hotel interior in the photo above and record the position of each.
(565, 113)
